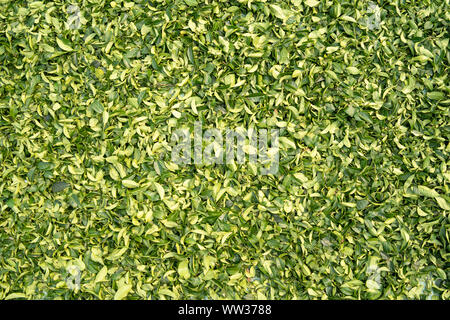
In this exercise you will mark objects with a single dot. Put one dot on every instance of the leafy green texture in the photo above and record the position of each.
(90, 97)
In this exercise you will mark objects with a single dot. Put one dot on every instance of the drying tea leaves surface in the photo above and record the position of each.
(91, 206)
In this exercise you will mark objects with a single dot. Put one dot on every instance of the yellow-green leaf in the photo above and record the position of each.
(64, 44)
(183, 269)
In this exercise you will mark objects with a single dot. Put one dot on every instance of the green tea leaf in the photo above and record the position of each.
(64, 44)
(183, 269)
(122, 292)
(130, 184)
